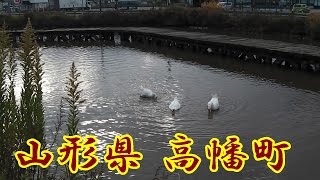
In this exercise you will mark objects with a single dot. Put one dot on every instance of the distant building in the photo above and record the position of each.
(196, 3)
(272, 3)
(189, 2)
(39, 4)
(53, 4)
(317, 4)
(33, 5)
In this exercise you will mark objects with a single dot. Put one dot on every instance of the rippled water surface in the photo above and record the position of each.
(251, 107)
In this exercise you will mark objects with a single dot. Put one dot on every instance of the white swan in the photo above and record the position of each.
(174, 105)
(147, 93)
(213, 104)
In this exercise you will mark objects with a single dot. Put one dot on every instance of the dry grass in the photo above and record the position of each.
(211, 5)
(314, 20)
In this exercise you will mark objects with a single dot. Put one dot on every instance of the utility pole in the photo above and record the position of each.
(100, 6)
(82, 6)
(116, 4)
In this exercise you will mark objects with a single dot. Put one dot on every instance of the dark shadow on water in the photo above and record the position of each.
(169, 65)
(211, 114)
(296, 79)
(145, 99)
(175, 113)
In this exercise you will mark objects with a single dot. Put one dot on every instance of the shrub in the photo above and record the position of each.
(314, 26)
(73, 100)
(20, 123)
(219, 20)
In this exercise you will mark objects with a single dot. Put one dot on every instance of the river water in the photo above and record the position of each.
(255, 101)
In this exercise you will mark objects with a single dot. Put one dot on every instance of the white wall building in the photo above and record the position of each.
(39, 4)
(35, 4)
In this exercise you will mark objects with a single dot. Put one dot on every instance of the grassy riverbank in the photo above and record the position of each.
(301, 29)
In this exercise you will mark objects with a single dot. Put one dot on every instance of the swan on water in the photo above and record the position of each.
(147, 93)
(213, 104)
(174, 105)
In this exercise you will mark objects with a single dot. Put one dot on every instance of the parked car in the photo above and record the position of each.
(225, 5)
(300, 8)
